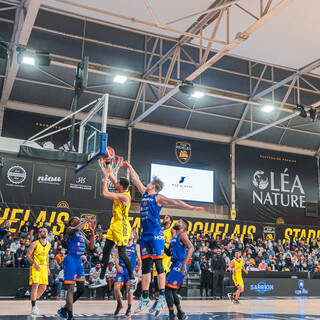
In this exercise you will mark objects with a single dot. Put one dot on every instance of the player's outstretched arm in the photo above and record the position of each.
(112, 195)
(91, 241)
(190, 249)
(167, 202)
(134, 176)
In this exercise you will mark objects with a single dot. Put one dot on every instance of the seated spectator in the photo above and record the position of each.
(252, 267)
(263, 266)
(111, 273)
(99, 229)
(24, 230)
(59, 282)
(93, 275)
(60, 255)
(15, 245)
(53, 264)
(8, 259)
(21, 257)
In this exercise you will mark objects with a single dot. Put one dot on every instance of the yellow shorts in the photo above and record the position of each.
(36, 276)
(238, 281)
(119, 233)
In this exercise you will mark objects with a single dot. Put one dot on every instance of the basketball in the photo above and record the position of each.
(109, 156)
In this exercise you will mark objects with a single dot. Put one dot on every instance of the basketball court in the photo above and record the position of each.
(226, 116)
(210, 309)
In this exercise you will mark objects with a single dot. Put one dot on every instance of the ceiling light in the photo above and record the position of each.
(120, 79)
(267, 108)
(197, 95)
(28, 60)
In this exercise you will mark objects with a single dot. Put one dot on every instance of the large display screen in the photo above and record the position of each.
(185, 183)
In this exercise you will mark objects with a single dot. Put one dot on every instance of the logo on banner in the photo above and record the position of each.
(46, 179)
(16, 175)
(301, 290)
(278, 189)
(183, 152)
(63, 204)
(269, 232)
(262, 287)
(81, 184)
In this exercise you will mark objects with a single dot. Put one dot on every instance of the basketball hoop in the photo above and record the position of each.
(114, 161)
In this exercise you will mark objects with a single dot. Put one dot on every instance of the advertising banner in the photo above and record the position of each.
(272, 185)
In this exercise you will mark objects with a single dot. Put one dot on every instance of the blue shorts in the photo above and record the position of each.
(152, 245)
(122, 278)
(175, 278)
(73, 269)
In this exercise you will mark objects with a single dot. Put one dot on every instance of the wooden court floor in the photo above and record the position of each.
(196, 309)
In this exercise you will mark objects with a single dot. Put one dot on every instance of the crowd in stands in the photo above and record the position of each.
(258, 254)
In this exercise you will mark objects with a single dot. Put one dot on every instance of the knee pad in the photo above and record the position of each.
(159, 266)
(80, 287)
(146, 265)
(169, 297)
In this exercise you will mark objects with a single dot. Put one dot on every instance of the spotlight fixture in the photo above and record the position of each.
(32, 57)
(28, 60)
(299, 110)
(120, 79)
(267, 108)
(197, 94)
(186, 87)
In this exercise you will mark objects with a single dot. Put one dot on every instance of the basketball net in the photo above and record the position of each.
(115, 164)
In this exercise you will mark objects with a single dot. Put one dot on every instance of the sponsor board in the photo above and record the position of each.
(16, 176)
(262, 287)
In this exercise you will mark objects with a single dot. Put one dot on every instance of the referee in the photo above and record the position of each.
(219, 268)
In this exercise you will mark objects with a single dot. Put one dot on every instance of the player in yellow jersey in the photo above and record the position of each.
(168, 232)
(236, 266)
(120, 230)
(38, 256)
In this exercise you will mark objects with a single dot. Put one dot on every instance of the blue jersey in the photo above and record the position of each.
(76, 244)
(178, 249)
(132, 255)
(150, 214)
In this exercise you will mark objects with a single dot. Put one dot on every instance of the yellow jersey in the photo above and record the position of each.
(237, 264)
(41, 252)
(121, 211)
(166, 260)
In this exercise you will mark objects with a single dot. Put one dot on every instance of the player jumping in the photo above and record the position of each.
(152, 240)
(120, 229)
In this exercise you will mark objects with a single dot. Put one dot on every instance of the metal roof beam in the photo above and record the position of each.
(308, 68)
(24, 21)
(233, 44)
(193, 134)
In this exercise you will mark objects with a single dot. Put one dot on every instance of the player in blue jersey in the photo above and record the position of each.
(73, 268)
(122, 277)
(180, 250)
(152, 240)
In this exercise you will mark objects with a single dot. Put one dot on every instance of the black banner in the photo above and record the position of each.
(272, 185)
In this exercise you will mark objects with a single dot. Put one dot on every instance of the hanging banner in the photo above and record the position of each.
(272, 185)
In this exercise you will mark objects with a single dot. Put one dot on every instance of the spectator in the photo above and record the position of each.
(263, 266)
(60, 255)
(93, 275)
(204, 276)
(111, 273)
(24, 230)
(20, 257)
(53, 264)
(8, 259)
(15, 245)
(59, 282)
(99, 229)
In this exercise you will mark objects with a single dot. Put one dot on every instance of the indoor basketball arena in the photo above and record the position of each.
(159, 159)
